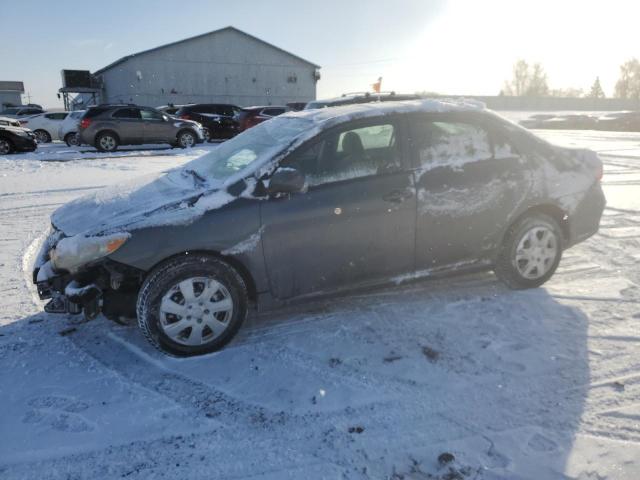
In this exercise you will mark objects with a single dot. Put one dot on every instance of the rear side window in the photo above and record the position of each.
(127, 113)
(94, 112)
(226, 110)
(449, 143)
(56, 116)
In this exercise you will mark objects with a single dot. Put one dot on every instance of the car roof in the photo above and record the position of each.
(343, 113)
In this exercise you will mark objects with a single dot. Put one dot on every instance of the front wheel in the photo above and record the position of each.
(186, 139)
(42, 136)
(5, 146)
(192, 305)
(530, 253)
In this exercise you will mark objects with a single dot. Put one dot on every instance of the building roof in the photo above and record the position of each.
(9, 86)
(230, 28)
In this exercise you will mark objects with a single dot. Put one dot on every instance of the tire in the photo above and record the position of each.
(42, 136)
(107, 142)
(186, 139)
(207, 135)
(180, 326)
(530, 253)
(71, 139)
(6, 147)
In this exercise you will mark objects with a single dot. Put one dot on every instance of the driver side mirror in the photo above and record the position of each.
(286, 180)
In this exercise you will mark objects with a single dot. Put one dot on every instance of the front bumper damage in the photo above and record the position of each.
(103, 286)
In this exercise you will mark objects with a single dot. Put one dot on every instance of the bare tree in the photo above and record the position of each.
(567, 92)
(529, 81)
(628, 85)
(596, 90)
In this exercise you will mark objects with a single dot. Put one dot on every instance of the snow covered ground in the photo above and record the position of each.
(536, 384)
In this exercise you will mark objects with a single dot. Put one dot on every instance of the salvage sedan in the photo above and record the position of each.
(316, 202)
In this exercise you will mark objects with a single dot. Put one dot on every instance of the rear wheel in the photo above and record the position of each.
(530, 253)
(192, 305)
(5, 146)
(106, 142)
(207, 134)
(71, 139)
(186, 139)
(42, 136)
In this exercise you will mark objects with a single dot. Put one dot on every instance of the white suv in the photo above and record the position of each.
(45, 125)
(68, 130)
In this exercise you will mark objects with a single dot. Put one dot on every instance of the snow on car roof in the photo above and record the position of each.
(345, 113)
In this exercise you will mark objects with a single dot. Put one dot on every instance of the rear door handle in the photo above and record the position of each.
(397, 196)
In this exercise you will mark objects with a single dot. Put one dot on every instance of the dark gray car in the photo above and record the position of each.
(317, 202)
(108, 126)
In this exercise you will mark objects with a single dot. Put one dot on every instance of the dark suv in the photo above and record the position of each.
(108, 126)
(316, 202)
(252, 116)
(219, 121)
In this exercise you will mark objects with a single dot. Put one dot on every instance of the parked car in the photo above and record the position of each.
(361, 97)
(9, 122)
(296, 106)
(170, 109)
(19, 112)
(106, 127)
(220, 121)
(45, 125)
(68, 129)
(620, 122)
(16, 139)
(534, 121)
(252, 116)
(316, 202)
(569, 122)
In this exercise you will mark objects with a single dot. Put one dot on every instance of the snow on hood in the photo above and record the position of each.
(155, 199)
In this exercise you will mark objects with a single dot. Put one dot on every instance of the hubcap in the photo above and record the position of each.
(207, 134)
(4, 147)
(536, 252)
(187, 140)
(196, 311)
(41, 137)
(107, 142)
(73, 140)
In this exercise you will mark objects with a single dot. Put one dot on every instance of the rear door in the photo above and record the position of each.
(355, 223)
(470, 180)
(129, 124)
(156, 128)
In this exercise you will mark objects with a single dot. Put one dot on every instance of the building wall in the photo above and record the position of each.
(225, 67)
(12, 98)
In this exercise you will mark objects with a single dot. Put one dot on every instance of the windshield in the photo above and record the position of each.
(10, 111)
(249, 150)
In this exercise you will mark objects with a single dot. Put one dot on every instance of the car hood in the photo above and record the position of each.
(167, 198)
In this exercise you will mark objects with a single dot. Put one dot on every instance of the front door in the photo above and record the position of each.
(130, 127)
(156, 129)
(356, 222)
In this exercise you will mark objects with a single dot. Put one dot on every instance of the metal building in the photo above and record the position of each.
(223, 66)
(11, 93)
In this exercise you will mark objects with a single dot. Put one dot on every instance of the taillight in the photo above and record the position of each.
(85, 122)
(23, 122)
(185, 116)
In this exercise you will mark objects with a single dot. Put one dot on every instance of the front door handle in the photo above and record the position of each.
(397, 196)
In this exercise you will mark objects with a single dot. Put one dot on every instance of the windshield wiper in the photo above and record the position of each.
(195, 175)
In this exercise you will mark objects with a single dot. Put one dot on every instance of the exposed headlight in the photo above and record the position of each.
(71, 253)
(22, 133)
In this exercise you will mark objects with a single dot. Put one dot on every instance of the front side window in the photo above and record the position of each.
(449, 143)
(127, 113)
(353, 153)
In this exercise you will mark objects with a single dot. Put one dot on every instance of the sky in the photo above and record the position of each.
(452, 47)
